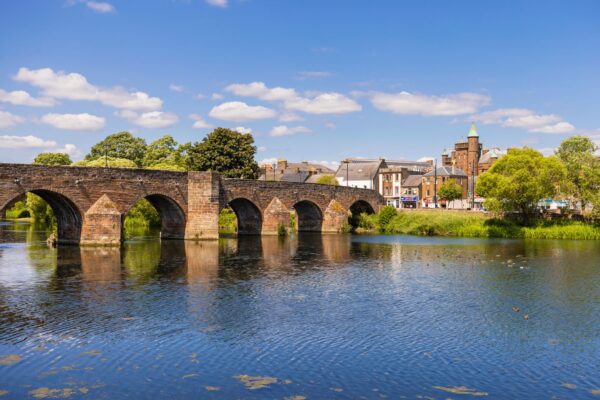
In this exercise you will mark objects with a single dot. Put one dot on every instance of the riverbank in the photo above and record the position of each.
(474, 224)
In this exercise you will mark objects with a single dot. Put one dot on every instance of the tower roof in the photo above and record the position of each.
(473, 130)
(445, 153)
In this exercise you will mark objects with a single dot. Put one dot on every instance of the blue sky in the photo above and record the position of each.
(312, 80)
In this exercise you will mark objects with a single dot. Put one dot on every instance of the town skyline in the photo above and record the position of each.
(309, 92)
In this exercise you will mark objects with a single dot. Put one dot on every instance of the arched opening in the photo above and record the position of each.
(248, 215)
(155, 215)
(51, 208)
(359, 209)
(309, 217)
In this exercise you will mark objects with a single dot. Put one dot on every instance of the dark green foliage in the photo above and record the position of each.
(165, 153)
(120, 145)
(229, 152)
(227, 221)
(52, 159)
(385, 216)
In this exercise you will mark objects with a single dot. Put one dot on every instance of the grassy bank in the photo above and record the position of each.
(470, 224)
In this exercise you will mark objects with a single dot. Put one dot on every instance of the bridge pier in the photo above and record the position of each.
(101, 224)
(203, 207)
(335, 218)
(275, 215)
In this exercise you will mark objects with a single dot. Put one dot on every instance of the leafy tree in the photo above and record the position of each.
(450, 191)
(52, 159)
(327, 180)
(519, 180)
(583, 169)
(165, 150)
(229, 152)
(112, 162)
(120, 145)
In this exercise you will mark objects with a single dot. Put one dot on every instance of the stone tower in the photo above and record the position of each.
(474, 150)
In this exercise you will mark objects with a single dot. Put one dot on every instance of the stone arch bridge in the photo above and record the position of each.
(90, 203)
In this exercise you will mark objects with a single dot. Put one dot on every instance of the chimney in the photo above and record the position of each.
(282, 164)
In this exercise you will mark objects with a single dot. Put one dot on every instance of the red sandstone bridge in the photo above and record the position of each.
(90, 203)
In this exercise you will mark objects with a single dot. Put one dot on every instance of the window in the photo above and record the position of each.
(397, 190)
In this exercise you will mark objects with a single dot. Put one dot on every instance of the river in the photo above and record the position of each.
(310, 316)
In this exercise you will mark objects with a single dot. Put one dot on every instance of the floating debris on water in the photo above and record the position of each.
(212, 388)
(91, 353)
(188, 376)
(256, 382)
(4, 392)
(461, 390)
(569, 385)
(10, 359)
(595, 392)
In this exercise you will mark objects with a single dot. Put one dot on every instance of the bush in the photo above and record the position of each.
(227, 221)
(385, 216)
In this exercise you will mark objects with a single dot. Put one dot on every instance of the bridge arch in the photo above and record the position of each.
(249, 216)
(69, 219)
(172, 216)
(309, 216)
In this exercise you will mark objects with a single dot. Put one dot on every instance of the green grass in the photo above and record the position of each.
(470, 224)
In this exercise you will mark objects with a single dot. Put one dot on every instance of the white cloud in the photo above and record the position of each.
(314, 74)
(547, 151)
(238, 111)
(329, 164)
(70, 149)
(74, 86)
(289, 117)
(329, 125)
(74, 122)
(311, 103)
(261, 148)
(8, 120)
(22, 98)
(523, 118)
(151, 119)
(261, 91)
(199, 122)
(283, 130)
(24, 142)
(325, 103)
(419, 104)
(100, 7)
(200, 96)
(217, 3)
(217, 96)
(176, 88)
(242, 129)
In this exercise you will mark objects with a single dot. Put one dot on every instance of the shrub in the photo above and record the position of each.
(385, 216)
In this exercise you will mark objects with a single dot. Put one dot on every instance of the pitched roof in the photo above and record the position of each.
(473, 130)
(447, 171)
(494, 153)
(359, 170)
(412, 181)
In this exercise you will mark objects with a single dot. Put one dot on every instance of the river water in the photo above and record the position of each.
(312, 316)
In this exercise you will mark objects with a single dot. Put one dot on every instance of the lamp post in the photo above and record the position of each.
(473, 186)
(435, 205)
(346, 162)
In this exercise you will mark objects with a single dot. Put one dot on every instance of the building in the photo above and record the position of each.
(432, 181)
(360, 173)
(302, 172)
(391, 179)
(470, 157)
(410, 193)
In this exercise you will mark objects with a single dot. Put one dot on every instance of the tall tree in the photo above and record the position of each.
(519, 180)
(120, 145)
(226, 151)
(583, 169)
(164, 151)
(52, 159)
(450, 191)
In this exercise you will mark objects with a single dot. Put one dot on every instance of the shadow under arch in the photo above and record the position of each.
(309, 216)
(356, 209)
(249, 217)
(68, 216)
(172, 217)
(361, 206)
